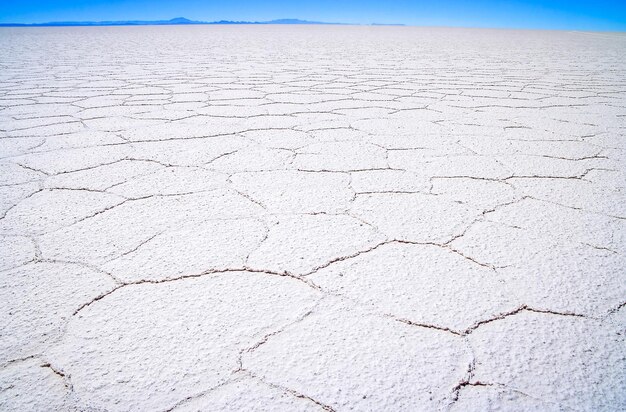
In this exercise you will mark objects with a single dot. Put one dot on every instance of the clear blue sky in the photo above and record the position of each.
(546, 14)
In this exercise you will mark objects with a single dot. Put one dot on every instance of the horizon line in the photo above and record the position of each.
(182, 21)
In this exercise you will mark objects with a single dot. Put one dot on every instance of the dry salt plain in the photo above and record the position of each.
(312, 218)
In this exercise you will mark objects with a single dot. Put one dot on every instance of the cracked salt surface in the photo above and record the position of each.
(312, 218)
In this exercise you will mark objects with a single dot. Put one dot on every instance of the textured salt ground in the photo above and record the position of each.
(312, 218)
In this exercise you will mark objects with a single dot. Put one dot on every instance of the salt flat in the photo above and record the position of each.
(312, 218)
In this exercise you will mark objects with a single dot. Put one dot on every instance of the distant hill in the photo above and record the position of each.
(174, 21)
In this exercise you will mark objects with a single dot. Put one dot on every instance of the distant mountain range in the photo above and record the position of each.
(174, 21)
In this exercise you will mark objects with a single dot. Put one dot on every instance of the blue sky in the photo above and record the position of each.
(547, 14)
